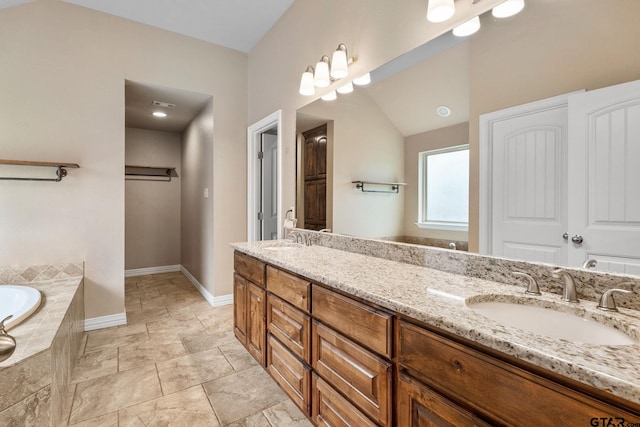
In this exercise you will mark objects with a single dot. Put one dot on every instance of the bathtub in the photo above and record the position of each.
(20, 301)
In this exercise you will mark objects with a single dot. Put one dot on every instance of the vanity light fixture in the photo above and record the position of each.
(160, 114)
(339, 62)
(307, 87)
(321, 77)
(348, 88)
(331, 96)
(440, 10)
(467, 28)
(508, 8)
(362, 80)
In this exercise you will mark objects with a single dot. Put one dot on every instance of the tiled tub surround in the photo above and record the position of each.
(34, 380)
(438, 298)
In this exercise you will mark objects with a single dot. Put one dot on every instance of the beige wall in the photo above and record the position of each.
(366, 147)
(375, 31)
(196, 210)
(62, 85)
(415, 144)
(557, 47)
(152, 208)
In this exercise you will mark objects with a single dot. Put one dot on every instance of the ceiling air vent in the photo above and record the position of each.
(163, 104)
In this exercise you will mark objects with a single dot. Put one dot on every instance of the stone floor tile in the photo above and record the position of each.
(238, 356)
(149, 352)
(192, 369)
(198, 343)
(255, 420)
(103, 395)
(178, 327)
(115, 337)
(95, 364)
(144, 315)
(244, 393)
(184, 408)
(106, 420)
(286, 414)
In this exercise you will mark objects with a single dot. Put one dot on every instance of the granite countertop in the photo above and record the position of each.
(440, 299)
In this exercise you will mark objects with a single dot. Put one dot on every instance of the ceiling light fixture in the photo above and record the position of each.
(443, 111)
(307, 87)
(339, 62)
(440, 10)
(468, 28)
(321, 77)
(331, 96)
(508, 8)
(160, 114)
(362, 80)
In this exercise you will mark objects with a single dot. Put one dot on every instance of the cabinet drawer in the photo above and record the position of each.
(495, 388)
(289, 287)
(369, 326)
(359, 374)
(420, 406)
(293, 376)
(330, 409)
(249, 267)
(291, 326)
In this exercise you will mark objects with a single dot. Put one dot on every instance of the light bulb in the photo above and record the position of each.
(306, 83)
(348, 88)
(440, 10)
(321, 76)
(508, 8)
(362, 80)
(160, 114)
(339, 66)
(331, 96)
(467, 28)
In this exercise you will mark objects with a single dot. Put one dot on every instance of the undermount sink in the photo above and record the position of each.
(550, 323)
(282, 246)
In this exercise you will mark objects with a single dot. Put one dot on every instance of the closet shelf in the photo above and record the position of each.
(61, 169)
(395, 186)
(132, 171)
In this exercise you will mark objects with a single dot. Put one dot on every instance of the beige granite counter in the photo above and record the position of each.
(439, 298)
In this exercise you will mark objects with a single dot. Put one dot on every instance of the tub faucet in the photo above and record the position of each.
(590, 263)
(452, 246)
(7, 342)
(569, 292)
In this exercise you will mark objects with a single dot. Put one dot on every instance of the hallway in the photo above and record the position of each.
(176, 363)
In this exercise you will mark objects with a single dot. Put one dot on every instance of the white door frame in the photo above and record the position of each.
(486, 155)
(253, 177)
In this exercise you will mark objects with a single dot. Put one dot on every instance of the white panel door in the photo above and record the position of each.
(529, 208)
(269, 187)
(604, 177)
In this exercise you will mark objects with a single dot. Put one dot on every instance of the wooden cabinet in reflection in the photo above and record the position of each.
(315, 178)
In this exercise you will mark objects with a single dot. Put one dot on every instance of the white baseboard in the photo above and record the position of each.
(105, 321)
(152, 270)
(214, 301)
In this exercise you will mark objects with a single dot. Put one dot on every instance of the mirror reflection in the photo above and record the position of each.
(381, 131)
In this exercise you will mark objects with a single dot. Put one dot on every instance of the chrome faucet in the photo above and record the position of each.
(296, 237)
(607, 303)
(532, 288)
(590, 263)
(569, 293)
(452, 246)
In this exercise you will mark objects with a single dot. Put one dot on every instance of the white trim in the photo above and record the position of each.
(152, 270)
(105, 321)
(212, 300)
(487, 122)
(443, 226)
(253, 180)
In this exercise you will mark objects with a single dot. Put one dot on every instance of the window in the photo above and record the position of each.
(443, 190)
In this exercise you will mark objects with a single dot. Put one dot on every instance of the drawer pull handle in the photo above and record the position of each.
(457, 365)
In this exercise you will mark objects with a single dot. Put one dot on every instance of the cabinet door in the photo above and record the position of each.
(419, 406)
(240, 308)
(256, 337)
(330, 409)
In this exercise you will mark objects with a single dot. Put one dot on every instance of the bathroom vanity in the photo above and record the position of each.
(364, 341)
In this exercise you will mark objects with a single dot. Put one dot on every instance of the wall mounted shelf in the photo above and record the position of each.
(148, 173)
(61, 169)
(395, 186)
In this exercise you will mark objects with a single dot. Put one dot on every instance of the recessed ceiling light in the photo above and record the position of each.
(443, 111)
(159, 114)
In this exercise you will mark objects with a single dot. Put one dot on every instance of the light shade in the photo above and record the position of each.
(306, 83)
(440, 10)
(321, 76)
(339, 62)
(508, 8)
(331, 96)
(467, 28)
(348, 88)
(362, 80)
(160, 114)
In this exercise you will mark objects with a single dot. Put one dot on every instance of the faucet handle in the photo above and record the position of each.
(607, 303)
(532, 288)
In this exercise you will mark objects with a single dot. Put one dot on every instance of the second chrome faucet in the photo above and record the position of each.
(569, 292)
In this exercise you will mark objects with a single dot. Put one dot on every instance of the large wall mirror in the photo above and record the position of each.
(378, 132)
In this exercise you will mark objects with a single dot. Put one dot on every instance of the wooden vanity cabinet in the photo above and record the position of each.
(485, 387)
(249, 315)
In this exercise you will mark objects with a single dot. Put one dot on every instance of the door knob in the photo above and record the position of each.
(577, 239)
(565, 236)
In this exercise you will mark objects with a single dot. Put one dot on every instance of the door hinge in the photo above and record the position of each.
(260, 155)
(260, 216)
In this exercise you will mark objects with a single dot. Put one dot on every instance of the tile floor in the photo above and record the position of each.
(176, 363)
